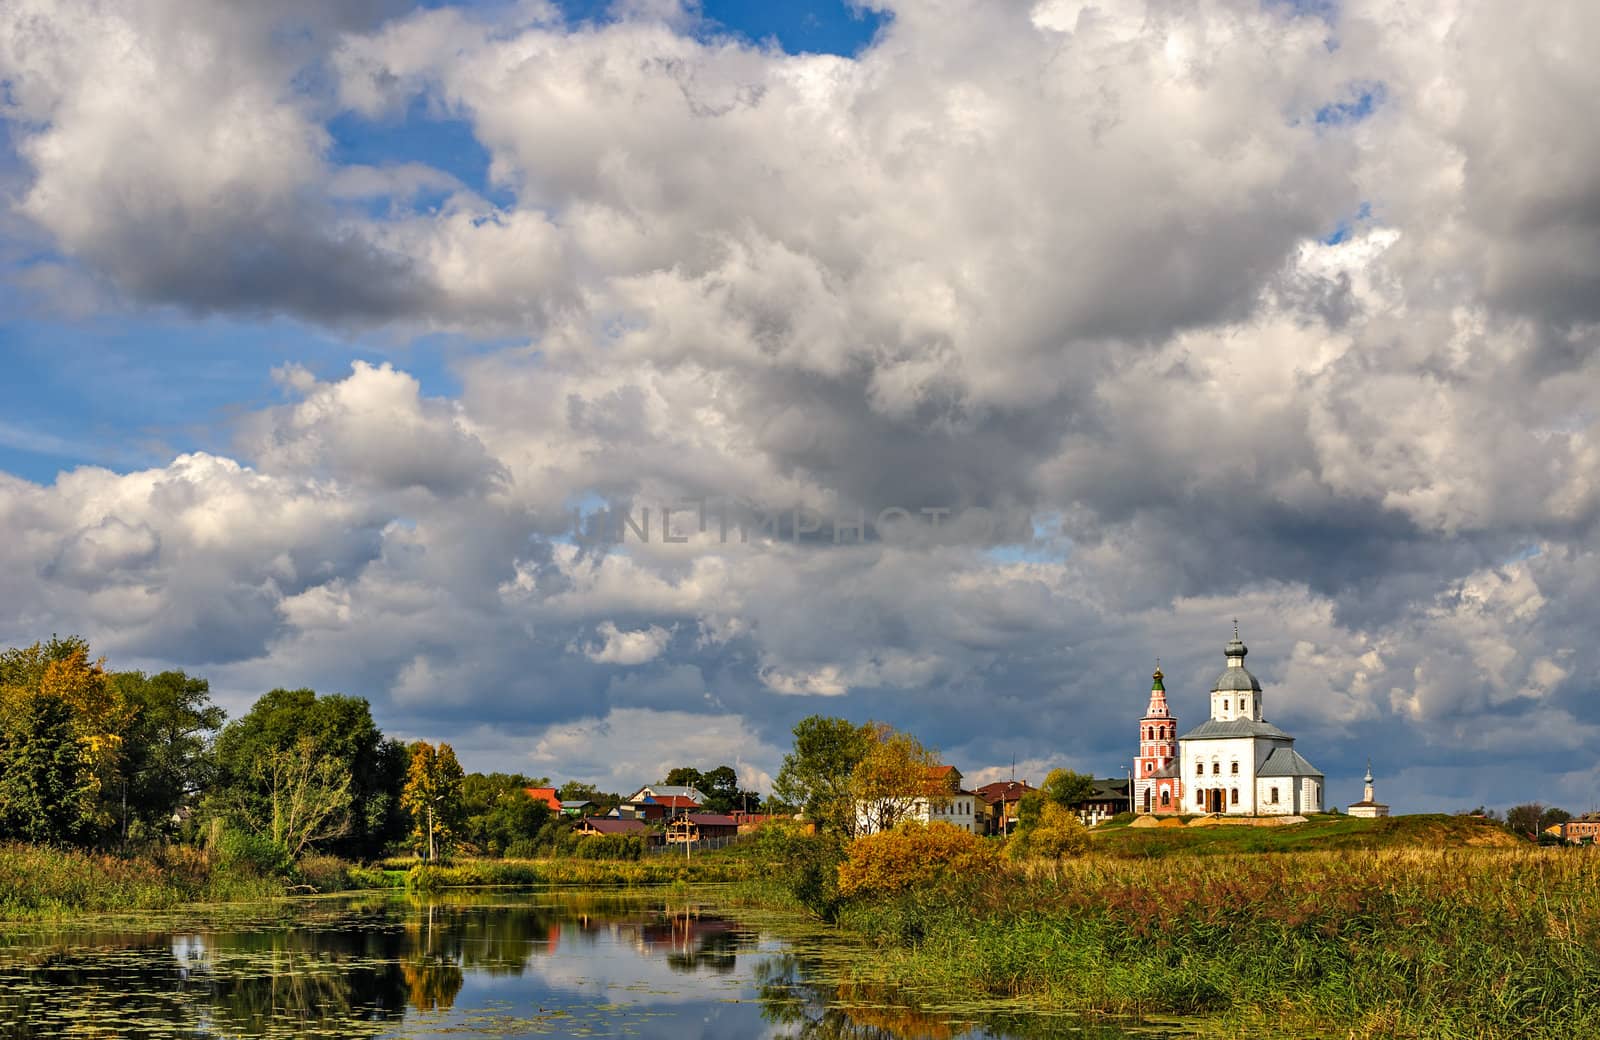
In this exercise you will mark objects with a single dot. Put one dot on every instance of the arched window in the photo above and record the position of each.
(1235, 797)
(1236, 769)
(1216, 769)
(1166, 797)
(1199, 769)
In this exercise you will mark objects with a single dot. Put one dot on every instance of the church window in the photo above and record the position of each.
(1236, 769)
(1199, 769)
(1274, 796)
(1166, 797)
(1216, 769)
(1235, 796)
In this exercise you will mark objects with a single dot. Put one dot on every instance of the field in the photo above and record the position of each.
(1389, 942)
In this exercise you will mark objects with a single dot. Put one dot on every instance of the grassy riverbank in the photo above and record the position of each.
(1398, 943)
(42, 883)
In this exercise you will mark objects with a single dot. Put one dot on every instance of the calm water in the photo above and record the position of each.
(646, 966)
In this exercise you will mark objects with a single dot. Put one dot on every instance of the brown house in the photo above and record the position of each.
(591, 825)
(1000, 801)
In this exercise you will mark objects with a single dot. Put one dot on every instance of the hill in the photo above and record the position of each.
(1319, 833)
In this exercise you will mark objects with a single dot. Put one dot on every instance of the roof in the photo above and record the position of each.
(547, 795)
(606, 825)
(709, 819)
(1237, 677)
(1213, 729)
(1106, 790)
(1166, 772)
(675, 801)
(659, 791)
(1010, 790)
(1286, 761)
(579, 804)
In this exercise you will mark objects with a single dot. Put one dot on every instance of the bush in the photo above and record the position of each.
(610, 846)
(912, 855)
(322, 872)
(251, 855)
(805, 864)
(1056, 834)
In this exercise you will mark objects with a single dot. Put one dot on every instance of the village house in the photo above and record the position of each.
(657, 804)
(694, 827)
(999, 802)
(1585, 828)
(942, 799)
(1105, 799)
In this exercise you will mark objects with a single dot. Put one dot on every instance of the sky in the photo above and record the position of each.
(977, 353)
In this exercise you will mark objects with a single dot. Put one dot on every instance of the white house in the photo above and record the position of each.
(957, 808)
(1238, 763)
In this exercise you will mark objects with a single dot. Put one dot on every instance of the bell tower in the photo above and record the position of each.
(1155, 771)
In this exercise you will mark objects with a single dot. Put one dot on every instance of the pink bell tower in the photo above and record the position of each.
(1157, 783)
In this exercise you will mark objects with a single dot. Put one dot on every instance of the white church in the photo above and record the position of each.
(1235, 763)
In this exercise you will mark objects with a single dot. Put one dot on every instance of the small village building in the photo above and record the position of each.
(1157, 780)
(1105, 799)
(593, 825)
(1585, 828)
(941, 800)
(693, 827)
(998, 804)
(660, 791)
(576, 807)
(1239, 764)
(1369, 808)
(658, 807)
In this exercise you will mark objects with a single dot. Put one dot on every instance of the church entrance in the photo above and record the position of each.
(1215, 802)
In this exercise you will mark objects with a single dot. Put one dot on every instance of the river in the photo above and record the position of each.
(650, 965)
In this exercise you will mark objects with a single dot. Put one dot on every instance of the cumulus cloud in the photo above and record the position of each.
(1256, 312)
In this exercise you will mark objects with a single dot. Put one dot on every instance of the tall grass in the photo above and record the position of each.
(40, 882)
(1381, 943)
(657, 870)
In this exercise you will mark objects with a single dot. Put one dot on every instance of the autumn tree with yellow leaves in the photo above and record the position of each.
(432, 795)
(61, 724)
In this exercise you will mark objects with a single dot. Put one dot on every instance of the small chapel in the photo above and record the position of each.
(1235, 763)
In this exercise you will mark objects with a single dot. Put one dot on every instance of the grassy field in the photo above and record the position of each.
(1318, 833)
(1359, 943)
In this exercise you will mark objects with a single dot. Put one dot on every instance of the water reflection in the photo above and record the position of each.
(490, 965)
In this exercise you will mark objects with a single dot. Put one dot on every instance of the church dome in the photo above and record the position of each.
(1236, 677)
(1237, 680)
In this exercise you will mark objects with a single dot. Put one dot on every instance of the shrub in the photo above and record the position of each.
(912, 855)
(805, 864)
(251, 855)
(322, 872)
(610, 846)
(1056, 834)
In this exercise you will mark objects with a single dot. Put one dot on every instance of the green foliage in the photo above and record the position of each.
(41, 882)
(250, 854)
(610, 846)
(913, 855)
(805, 864)
(498, 814)
(1054, 834)
(816, 774)
(47, 795)
(166, 764)
(719, 785)
(342, 731)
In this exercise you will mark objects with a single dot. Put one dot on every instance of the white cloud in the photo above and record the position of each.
(627, 648)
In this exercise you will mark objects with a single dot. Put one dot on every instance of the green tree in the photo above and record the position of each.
(816, 773)
(166, 761)
(1553, 816)
(1054, 835)
(46, 793)
(1061, 787)
(62, 721)
(432, 795)
(497, 812)
(685, 776)
(1524, 820)
(342, 729)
